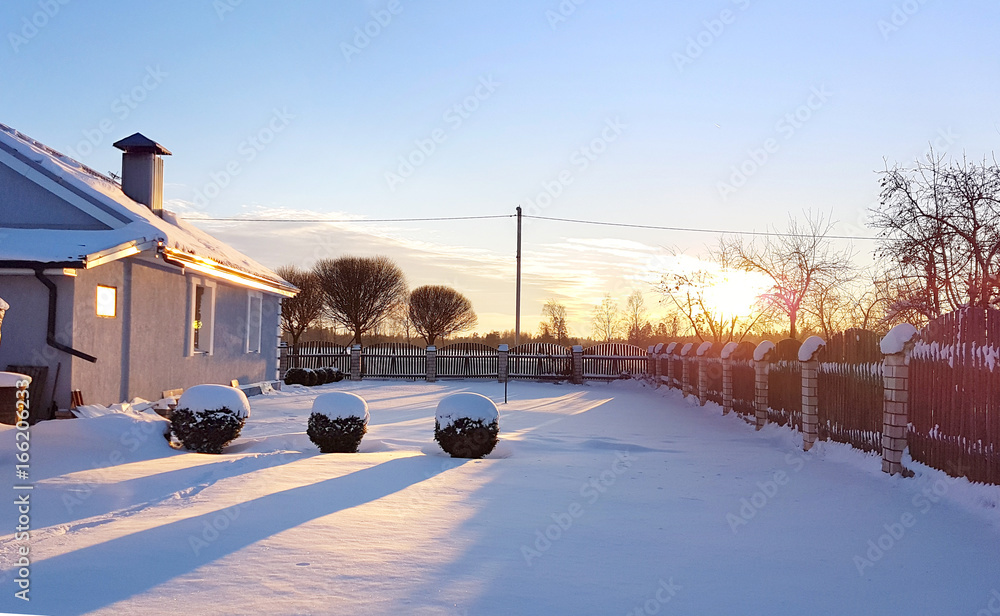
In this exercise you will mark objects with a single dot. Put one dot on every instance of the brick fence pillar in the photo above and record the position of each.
(650, 360)
(896, 402)
(577, 364)
(658, 365)
(761, 367)
(701, 356)
(810, 403)
(432, 365)
(808, 358)
(356, 362)
(686, 386)
(503, 369)
(671, 376)
(727, 385)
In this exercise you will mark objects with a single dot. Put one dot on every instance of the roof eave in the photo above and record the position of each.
(215, 269)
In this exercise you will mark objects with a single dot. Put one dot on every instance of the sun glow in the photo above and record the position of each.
(734, 293)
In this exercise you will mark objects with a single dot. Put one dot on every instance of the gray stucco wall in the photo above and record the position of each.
(158, 357)
(143, 350)
(24, 331)
(101, 337)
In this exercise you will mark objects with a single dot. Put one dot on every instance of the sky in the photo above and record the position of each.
(729, 114)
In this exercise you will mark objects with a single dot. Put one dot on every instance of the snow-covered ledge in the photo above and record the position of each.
(809, 348)
(897, 339)
(763, 351)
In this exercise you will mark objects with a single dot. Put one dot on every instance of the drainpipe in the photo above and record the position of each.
(50, 334)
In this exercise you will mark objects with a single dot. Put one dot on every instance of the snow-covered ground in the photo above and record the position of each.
(600, 499)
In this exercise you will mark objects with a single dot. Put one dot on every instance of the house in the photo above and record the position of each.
(114, 296)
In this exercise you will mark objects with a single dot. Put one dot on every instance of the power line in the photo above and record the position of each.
(693, 230)
(346, 220)
(549, 218)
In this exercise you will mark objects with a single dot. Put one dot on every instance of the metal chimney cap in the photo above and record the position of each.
(141, 144)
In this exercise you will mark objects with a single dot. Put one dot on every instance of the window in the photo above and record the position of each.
(107, 301)
(254, 305)
(202, 315)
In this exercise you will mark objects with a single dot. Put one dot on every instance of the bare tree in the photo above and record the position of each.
(940, 224)
(607, 319)
(795, 261)
(440, 311)
(299, 313)
(360, 292)
(400, 323)
(639, 329)
(556, 326)
(688, 294)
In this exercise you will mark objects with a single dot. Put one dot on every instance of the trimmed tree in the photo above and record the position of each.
(300, 312)
(360, 292)
(440, 311)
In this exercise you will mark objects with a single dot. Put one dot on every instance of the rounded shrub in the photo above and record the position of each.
(311, 378)
(295, 376)
(328, 375)
(209, 417)
(467, 425)
(338, 422)
(336, 375)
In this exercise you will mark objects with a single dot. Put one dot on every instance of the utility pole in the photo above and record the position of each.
(517, 292)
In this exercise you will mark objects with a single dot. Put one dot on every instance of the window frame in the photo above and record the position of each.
(207, 329)
(97, 300)
(254, 338)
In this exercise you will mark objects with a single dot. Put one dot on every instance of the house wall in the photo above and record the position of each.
(143, 350)
(159, 336)
(24, 332)
(102, 337)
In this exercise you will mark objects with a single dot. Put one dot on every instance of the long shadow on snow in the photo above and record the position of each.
(69, 503)
(101, 575)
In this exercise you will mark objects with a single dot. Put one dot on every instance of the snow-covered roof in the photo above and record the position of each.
(133, 226)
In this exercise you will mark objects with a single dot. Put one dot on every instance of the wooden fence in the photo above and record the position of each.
(946, 381)
(394, 361)
(540, 361)
(851, 390)
(613, 360)
(784, 385)
(954, 384)
(468, 360)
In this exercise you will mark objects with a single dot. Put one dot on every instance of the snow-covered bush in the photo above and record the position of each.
(334, 375)
(209, 417)
(338, 422)
(467, 425)
(312, 379)
(295, 376)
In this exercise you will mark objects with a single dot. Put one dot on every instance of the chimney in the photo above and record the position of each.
(142, 170)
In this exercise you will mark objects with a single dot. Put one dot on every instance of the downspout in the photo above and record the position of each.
(50, 334)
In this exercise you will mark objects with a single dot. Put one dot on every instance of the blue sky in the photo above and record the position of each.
(668, 98)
